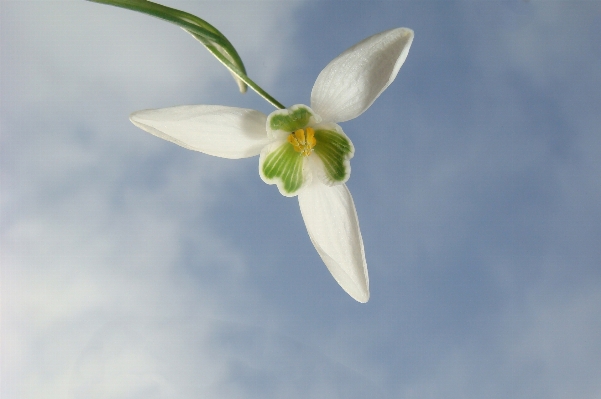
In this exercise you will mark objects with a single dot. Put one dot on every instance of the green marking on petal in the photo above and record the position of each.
(286, 164)
(334, 150)
(289, 120)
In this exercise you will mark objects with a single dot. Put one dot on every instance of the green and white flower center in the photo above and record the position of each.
(304, 148)
(302, 141)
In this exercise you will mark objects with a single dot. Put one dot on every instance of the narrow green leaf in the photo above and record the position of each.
(216, 49)
(205, 33)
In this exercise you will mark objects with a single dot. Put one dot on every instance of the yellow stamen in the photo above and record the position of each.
(311, 137)
(300, 136)
(301, 143)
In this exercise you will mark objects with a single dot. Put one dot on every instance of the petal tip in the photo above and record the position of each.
(331, 220)
(133, 117)
(349, 84)
(360, 295)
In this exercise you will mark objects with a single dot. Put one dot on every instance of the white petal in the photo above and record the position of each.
(331, 220)
(225, 132)
(352, 81)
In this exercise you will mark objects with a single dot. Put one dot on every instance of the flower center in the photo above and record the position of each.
(303, 142)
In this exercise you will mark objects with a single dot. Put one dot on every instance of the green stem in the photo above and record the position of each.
(204, 32)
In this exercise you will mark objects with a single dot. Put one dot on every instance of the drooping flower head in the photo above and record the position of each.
(302, 149)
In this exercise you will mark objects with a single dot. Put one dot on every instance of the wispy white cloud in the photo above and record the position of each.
(99, 299)
(122, 272)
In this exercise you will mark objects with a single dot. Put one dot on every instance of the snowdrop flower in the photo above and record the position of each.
(302, 149)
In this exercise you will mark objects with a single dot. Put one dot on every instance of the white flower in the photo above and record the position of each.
(302, 149)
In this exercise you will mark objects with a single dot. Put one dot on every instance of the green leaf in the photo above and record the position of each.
(205, 33)
(216, 49)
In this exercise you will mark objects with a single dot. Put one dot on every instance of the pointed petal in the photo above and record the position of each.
(280, 164)
(331, 220)
(224, 132)
(352, 81)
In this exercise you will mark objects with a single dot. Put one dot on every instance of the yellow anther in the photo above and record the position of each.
(311, 137)
(292, 140)
(300, 136)
(301, 143)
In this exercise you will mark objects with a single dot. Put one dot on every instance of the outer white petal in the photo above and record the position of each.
(224, 132)
(331, 220)
(352, 81)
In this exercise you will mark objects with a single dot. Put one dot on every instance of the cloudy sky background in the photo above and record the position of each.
(133, 268)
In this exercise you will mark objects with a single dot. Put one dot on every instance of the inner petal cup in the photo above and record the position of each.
(280, 164)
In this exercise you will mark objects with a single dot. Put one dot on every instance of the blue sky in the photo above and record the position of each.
(133, 268)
